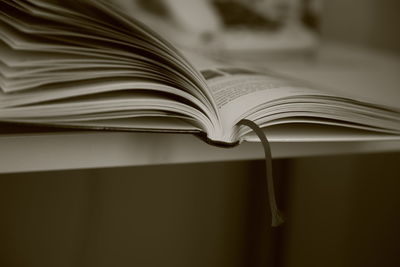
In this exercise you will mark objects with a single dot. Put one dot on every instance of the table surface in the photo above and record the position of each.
(360, 73)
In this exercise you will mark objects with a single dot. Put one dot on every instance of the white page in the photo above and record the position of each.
(239, 94)
(265, 98)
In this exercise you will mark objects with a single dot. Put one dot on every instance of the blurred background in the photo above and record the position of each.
(233, 29)
(340, 210)
(269, 27)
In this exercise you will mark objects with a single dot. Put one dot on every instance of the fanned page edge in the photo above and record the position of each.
(159, 39)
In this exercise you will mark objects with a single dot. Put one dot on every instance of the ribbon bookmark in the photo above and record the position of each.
(276, 215)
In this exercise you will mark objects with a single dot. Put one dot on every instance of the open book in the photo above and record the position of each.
(87, 65)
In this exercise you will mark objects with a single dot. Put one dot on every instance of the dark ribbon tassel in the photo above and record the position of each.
(276, 216)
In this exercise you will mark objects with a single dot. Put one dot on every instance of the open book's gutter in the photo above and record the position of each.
(276, 215)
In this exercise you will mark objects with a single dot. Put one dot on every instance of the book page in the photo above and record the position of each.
(238, 92)
(269, 98)
(62, 31)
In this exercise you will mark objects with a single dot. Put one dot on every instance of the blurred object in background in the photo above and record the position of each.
(260, 29)
(236, 29)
